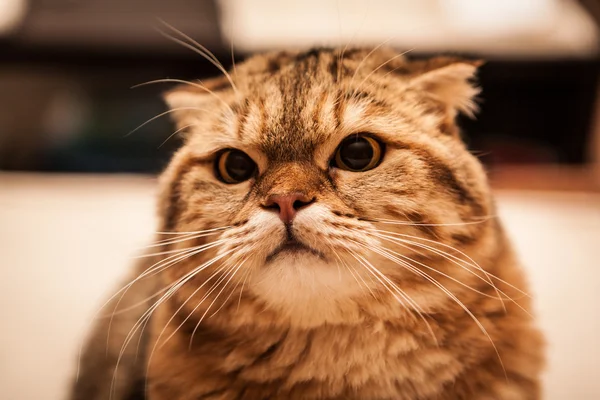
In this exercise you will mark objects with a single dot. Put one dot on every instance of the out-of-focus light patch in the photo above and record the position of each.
(65, 116)
(527, 28)
(12, 13)
(500, 18)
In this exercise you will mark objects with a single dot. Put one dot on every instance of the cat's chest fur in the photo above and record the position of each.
(373, 361)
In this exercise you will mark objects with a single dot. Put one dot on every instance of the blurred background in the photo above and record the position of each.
(76, 190)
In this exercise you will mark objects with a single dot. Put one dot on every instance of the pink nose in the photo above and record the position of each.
(287, 205)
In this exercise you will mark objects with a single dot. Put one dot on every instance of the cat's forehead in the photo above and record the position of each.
(291, 116)
(290, 111)
(288, 121)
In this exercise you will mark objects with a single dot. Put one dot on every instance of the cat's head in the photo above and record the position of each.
(330, 173)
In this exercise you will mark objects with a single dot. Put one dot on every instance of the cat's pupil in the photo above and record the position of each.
(239, 166)
(356, 153)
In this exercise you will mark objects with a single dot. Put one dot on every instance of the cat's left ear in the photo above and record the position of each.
(448, 81)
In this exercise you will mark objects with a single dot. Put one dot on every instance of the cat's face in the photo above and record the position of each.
(329, 175)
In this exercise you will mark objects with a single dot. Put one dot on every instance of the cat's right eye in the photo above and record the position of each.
(234, 166)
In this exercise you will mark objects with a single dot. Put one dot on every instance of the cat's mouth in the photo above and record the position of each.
(294, 247)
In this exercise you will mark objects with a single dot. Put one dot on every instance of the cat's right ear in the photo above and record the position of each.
(187, 101)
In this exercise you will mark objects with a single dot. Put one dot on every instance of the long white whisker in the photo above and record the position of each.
(389, 285)
(469, 262)
(162, 114)
(246, 276)
(353, 271)
(175, 133)
(232, 272)
(206, 295)
(159, 268)
(441, 273)
(454, 260)
(165, 263)
(172, 261)
(501, 295)
(232, 290)
(194, 84)
(179, 241)
(350, 269)
(341, 59)
(203, 51)
(174, 287)
(451, 295)
(379, 67)
(214, 274)
(191, 232)
(154, 269)
(366, 57)
(410, 223)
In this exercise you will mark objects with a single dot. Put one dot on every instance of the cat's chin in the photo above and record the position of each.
(305, 285)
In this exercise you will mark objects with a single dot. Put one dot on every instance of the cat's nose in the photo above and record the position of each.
(287, 205)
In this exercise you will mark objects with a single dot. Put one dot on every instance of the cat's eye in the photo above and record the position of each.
(234, 166)
(358, 153)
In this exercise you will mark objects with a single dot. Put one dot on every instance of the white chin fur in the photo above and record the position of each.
(307, 288)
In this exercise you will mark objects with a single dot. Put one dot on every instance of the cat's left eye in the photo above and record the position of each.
(234, 166)
(358, 153)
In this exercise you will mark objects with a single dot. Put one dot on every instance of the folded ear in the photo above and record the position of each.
(187, 101)
(448, 80)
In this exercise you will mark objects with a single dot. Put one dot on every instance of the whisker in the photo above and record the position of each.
(501, 295)
(350, 269)
(154, 269)
(191, 232)
(203, 51)
(411, 223)
(173, 288)
(156, 343)
(191, 42)
(124, 290)
(232, 272)
(217, 283)
(184, 249)
(453, 259)
(379, 67)
(158, 266)
(341, 58)
(174, 239)
(175, 133)
(444, 254)
(364, 284)
(206, 281)
(248, 272)
(232, 291)
(440, 272)
(183, 253)
(368, 88)
(451, 295)
(194, 84)
(367, 56)
(162, 114)
(231, 48)
(387, 284)
(134, 306)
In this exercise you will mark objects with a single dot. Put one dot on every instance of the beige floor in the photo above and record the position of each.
(65, 240)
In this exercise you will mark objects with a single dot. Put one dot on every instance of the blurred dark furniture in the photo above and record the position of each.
(67, 103)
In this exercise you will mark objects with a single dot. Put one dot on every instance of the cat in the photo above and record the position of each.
(324, 234)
